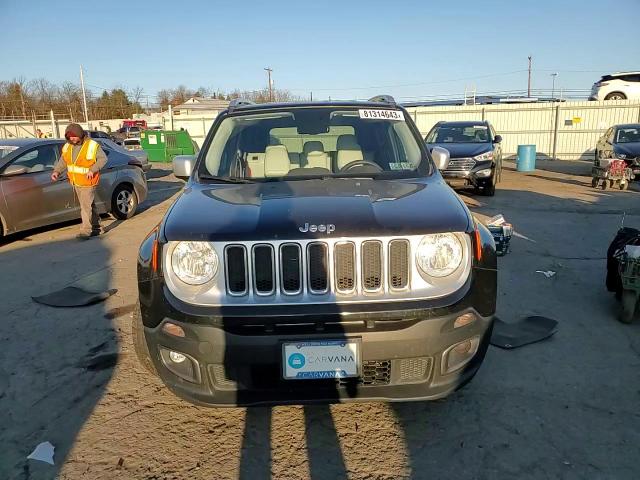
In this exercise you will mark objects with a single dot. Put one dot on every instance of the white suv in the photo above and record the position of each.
(617, 86)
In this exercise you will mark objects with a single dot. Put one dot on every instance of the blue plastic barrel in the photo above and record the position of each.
(526, 161)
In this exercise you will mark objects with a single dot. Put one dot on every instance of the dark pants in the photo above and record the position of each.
(88, 211)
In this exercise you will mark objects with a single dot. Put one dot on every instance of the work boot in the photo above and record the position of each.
(87, 236)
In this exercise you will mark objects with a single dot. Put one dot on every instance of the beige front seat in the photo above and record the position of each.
(313, 155)
(276, 161)
(348, 150)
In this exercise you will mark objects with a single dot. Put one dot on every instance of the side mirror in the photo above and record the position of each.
(440, 157)
(498, 139)
(12, 170)
(183, 166)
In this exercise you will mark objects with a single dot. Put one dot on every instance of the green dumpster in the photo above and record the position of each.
(163, 145)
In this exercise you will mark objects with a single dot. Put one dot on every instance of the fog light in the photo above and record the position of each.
(486, 172)
(464, 319)
(173, 329)
(458, 355)
(177, 357)
(181, 365)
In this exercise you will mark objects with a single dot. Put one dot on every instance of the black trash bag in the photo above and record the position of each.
(73, 297)
(523, 332)
(625, 236)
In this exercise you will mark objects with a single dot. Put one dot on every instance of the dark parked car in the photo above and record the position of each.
(476, 154)
(620, 142)
(29, 199)
(316, 254)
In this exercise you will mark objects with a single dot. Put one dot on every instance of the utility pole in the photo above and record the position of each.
(529, 80)
(84, 98)
(312, 96)
(553, 85)
(269, 70)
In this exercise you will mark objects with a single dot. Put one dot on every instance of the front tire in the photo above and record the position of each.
(124, 202)
(490, 189)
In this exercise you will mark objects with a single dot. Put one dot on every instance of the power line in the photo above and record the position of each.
(411, 84)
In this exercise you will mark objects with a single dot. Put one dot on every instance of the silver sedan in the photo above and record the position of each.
(29, 199)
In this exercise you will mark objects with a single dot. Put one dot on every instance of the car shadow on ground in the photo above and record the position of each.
(55, 363)
(568, 181)
(160, 170)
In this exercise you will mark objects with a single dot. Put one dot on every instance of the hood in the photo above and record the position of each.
(279, 210)
(631, 149)
(463, 150)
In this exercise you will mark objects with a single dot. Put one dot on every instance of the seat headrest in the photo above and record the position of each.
(276, 161)
(313, 146)
(348, 142)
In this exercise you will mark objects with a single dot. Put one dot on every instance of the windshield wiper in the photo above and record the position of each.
(212, 178)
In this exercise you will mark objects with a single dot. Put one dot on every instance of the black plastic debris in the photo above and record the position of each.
(73, 297)
(523, 332)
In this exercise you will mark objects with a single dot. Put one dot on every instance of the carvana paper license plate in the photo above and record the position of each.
(321, 359)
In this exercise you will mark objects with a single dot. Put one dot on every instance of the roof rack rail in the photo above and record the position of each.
(239, 102)
(383, 99)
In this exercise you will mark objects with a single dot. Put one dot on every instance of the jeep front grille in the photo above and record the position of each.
(236, 269)
(398, 264)
(345, 258)
(371, 266)
(290, 267)
(461, 165)
(341, 268)
(318, 262)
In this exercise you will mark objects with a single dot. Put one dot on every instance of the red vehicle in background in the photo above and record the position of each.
(130, 129)
(134, 123)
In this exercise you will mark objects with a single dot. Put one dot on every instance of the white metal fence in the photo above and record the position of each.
(564, 130)
(571, 129)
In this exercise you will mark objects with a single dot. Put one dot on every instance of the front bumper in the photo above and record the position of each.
(470, 177)
(239, 350)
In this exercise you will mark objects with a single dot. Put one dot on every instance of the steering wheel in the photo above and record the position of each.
(361, 163)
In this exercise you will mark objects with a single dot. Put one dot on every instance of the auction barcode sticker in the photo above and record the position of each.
(382, 114)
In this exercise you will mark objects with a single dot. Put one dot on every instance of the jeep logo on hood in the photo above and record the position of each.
(328, 228)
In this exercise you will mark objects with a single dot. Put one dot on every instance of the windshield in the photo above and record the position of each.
(459, 134)
(628, 135)
(312, 142)
(6, 150)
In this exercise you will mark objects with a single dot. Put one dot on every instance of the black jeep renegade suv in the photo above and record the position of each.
(315, 255)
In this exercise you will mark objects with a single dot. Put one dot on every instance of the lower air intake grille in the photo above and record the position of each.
(398, 264)
(415, 369)
(236, 270)
(377, 372)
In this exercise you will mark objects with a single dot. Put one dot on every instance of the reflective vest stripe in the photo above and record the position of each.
(77, 169)
(91, 151)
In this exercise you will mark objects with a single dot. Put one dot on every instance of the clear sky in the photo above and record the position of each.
(337, 49)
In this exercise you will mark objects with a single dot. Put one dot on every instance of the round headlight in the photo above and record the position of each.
(439, 255)
(194, 263)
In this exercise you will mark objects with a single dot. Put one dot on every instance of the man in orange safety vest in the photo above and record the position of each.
(82, 158)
